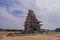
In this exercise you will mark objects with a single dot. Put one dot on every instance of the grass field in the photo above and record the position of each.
(44, 36)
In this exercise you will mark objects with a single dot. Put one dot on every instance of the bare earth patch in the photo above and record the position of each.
(45, 36)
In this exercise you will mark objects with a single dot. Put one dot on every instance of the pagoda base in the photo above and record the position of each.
(31, 31)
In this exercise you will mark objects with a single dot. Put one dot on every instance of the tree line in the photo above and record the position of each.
(56, 30)
(10, 30)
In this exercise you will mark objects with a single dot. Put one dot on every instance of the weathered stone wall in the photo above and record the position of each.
(32, 24)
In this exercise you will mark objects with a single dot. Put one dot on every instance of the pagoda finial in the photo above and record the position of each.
(30, 10)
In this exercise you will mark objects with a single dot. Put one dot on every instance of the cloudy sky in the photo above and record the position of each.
(13, 13)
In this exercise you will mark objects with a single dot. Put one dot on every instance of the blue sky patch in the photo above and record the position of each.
(17, 12)
(5, 3)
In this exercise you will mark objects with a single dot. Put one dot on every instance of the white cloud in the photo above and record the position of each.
(45, 10)
(9, 21)
(49, 9)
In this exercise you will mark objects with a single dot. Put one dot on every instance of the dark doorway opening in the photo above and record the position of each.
(34, 29)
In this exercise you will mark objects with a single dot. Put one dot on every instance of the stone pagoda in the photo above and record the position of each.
(32, 25)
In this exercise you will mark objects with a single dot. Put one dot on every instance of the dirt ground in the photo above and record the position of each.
(44, 36)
